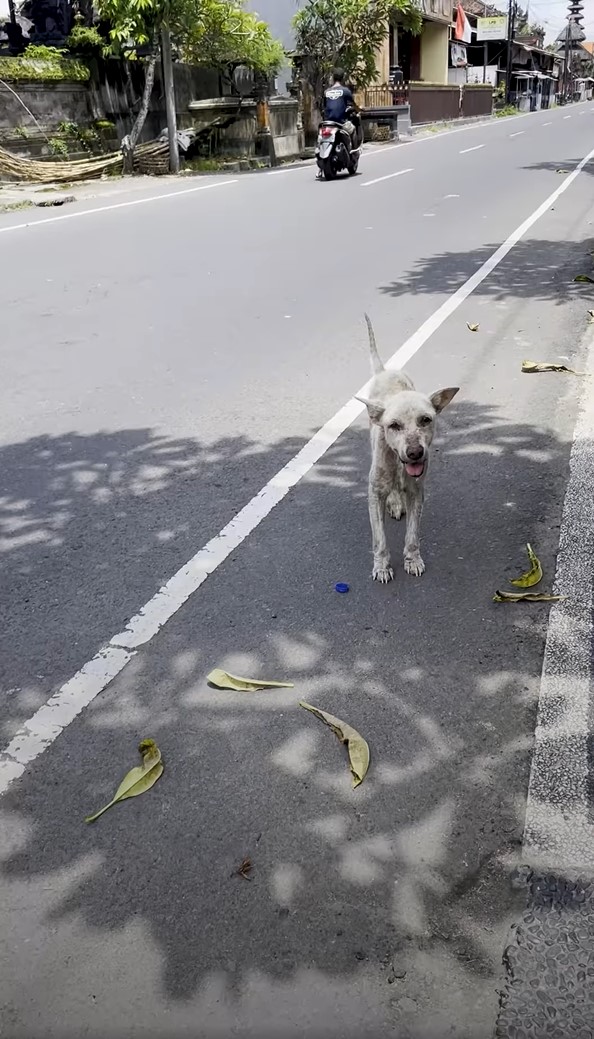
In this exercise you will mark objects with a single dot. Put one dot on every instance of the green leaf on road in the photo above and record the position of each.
(357, 747)
(225, 680)
(584, 277)
(533, 575)
(526, 597)
(533, 367)
(139, 779)
(561, 171)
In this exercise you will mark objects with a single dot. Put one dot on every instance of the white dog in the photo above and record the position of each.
(402, 428)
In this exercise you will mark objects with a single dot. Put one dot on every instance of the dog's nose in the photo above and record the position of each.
(414, 454)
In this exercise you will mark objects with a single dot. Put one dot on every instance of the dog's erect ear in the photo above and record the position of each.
(374, 407)
(442, 398)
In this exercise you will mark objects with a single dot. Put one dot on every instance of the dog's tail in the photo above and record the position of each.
(376, 361)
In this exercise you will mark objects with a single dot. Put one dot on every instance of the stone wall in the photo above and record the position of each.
(113, 93)
(239, 138)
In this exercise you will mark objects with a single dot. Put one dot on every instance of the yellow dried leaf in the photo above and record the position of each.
(533, 575)
(472, 328)
(526, 597)
(225, 680)
(139, 779)
(534, 367)
(357, 747)
(591, 315)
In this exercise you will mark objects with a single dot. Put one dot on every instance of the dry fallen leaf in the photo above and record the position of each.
(561, 171)
(526, 597)
(357, 747)
(584, 277)
(533, 367)
(591, 315)
(245, 869)
(225, 680)
(139, 779)
(533, 575)
(472, 328)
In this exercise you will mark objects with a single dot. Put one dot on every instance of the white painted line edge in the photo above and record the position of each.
(518, 133)
(388, 176)
(560, 835)
(116, 205)
(567, 117)
(40, 731)
(550, 123)
(475, 149)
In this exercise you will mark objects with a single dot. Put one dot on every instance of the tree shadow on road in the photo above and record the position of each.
(537, 269)
(404, 881)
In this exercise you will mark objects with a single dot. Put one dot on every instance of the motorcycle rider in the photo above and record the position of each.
(338, 99)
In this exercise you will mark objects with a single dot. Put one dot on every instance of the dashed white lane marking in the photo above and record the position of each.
(116, 205)
(40, 731)
(567, 117)
(559, 831)
(388, 176)
(518, 133)
(475, 149)
(451, 196)
(550, 123)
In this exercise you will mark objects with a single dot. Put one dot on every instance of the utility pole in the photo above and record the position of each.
(169, 87)
(511, 18)
(566, 68)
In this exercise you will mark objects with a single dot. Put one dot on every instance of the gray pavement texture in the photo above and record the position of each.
(550, 991)
(161, 362)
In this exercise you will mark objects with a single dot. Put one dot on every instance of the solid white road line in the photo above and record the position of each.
(475, 149)
(289, 169)
(116, 205)
(40, 731)
(517, 133)
(388, 176)
(559, 831)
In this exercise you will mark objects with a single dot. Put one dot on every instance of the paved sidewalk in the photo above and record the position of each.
(550, 963)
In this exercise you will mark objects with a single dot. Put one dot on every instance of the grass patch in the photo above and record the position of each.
(500, 113)
(43, 64)
(12, 207)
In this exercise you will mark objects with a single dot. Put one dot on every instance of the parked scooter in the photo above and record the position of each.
(336, 150)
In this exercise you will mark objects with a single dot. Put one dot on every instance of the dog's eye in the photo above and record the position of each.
(425, 420)
(396, 427)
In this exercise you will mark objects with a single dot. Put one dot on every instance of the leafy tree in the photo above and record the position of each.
(216, 33)
(348, 33)
(525, 28)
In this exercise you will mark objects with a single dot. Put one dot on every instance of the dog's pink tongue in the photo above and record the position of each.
(415, 468)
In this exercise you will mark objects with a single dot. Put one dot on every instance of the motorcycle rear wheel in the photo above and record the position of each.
(328, 169)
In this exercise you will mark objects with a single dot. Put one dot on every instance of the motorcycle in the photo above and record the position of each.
(336, 150)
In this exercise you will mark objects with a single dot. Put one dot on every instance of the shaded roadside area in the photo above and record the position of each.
(381, 908)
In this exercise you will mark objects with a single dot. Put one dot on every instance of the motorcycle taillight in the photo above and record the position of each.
(327, 131)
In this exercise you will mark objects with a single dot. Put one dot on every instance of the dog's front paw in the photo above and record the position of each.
(382, 572)
(413, 564)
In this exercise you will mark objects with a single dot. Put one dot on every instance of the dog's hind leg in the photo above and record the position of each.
(395, 504)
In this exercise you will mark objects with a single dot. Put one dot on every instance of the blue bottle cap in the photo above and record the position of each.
(342, 588)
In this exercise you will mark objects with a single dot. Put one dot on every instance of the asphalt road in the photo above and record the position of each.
(162, 360)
